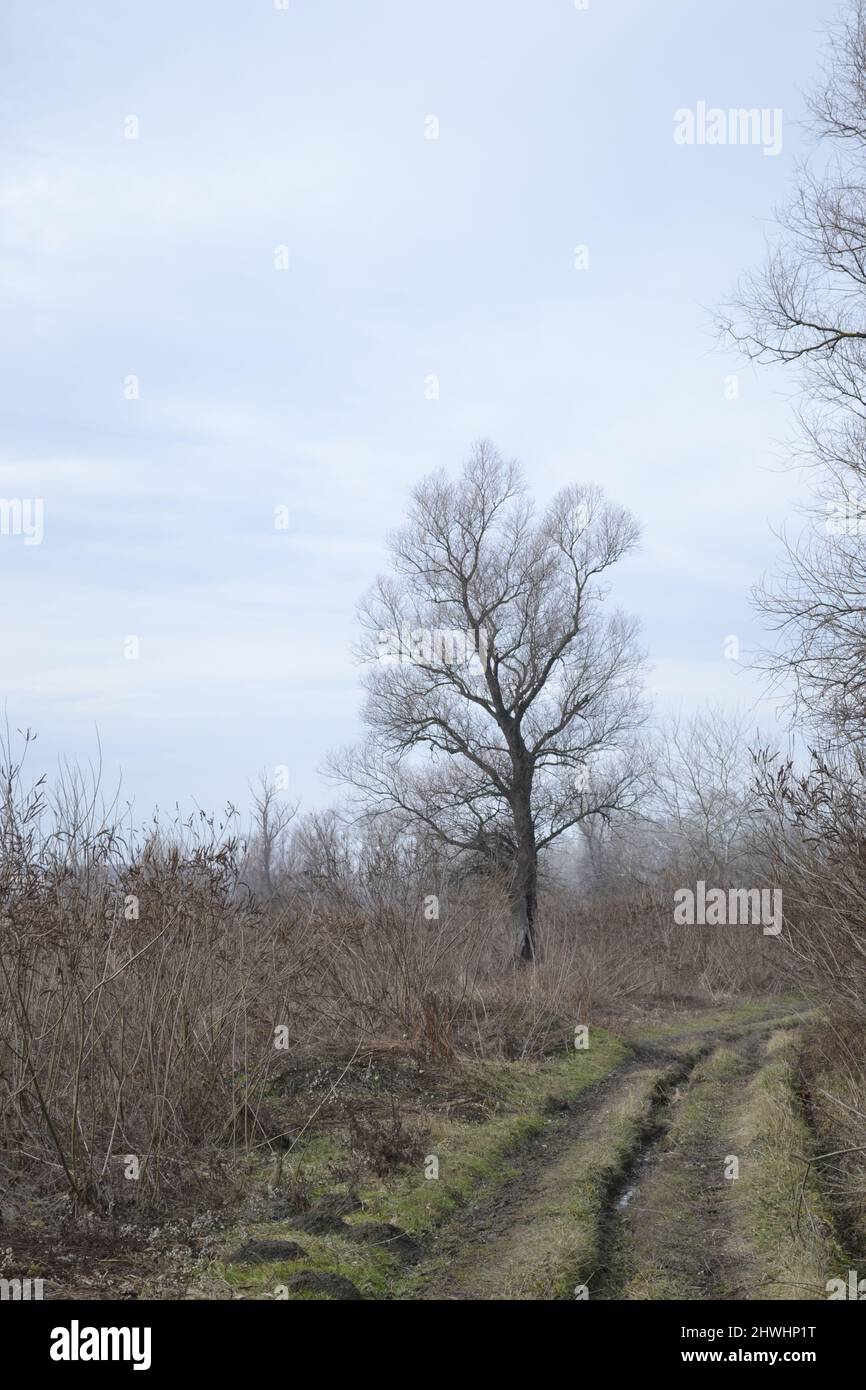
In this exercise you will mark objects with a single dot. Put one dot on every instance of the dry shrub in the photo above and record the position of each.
(145, 985)
(833, 1078)
(384, 1142)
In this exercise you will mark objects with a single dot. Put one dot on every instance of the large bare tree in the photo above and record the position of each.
(503, 694)
(807, 308)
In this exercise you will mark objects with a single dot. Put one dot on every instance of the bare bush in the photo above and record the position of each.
(151, 993)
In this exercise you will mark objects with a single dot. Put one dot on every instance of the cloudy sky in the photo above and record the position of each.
(168, 384)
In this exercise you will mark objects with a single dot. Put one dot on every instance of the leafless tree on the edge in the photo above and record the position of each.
(502, 745)
(271, 819)
(808, 308)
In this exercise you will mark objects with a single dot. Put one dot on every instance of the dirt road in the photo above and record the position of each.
(644, 1188)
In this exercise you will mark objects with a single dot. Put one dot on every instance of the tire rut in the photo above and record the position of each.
(667, 1229)
(490, 1217)
(499, 1248)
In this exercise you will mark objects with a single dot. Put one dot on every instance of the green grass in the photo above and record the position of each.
(557, 1241)
(739, 1018)
(470, 1156)
(551, 1243)
(370, 1269)
(783, 1214)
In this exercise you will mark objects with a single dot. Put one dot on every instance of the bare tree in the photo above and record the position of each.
(703, 797)
(806, 305)
(502, 696)
(272, 817)
(697, 818)
(807, 308)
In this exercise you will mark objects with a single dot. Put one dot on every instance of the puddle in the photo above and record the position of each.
(644, 1160)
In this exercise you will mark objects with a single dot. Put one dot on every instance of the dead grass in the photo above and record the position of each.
(783, 1214)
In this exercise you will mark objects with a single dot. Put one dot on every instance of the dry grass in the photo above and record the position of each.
(157, 983)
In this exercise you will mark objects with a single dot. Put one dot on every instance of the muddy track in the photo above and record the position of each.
(691, 1248)
(509, 1242)
(483, 1224)
(624, 1187)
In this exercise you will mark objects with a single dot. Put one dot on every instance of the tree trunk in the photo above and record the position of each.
(524, 893)
(266, 864)
(523, 917)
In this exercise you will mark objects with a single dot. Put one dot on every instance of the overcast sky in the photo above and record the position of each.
(150, 266)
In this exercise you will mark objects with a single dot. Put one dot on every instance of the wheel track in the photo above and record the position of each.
(480, 1255)
(691, 1245)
